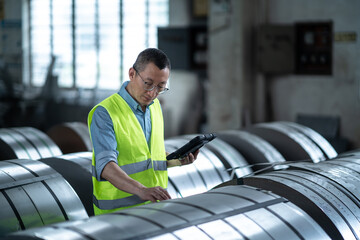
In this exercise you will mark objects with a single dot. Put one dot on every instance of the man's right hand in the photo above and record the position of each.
(153, 194)
(117, 177)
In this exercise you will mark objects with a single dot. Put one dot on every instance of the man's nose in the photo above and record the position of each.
(153, 92)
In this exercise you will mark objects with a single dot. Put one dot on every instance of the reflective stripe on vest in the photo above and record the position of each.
(117, 203)
(139, 167)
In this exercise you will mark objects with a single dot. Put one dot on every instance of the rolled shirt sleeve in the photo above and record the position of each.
(104, 142)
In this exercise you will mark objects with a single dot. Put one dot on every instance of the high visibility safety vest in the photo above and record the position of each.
(148, 166)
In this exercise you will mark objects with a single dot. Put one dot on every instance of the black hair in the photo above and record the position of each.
(152, 55)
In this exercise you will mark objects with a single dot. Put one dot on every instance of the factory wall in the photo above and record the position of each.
(237, 89)
(335, 95)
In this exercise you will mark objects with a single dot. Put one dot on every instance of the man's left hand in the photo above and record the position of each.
(190, 158)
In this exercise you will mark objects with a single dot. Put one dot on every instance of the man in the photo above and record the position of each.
(127, 133)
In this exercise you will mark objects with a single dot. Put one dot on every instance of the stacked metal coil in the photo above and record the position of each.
(294, 141)
(71, 137)
(257, 152)
(328, 191)
(76, 169)
(328, 150)
(235, 212)
(26, 143)
(240, 152)
(208, 171)
(230, 158)
(32, 194)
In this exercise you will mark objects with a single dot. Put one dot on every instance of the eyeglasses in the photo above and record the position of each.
(150, 86)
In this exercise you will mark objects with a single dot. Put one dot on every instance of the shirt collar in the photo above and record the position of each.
(134, 105)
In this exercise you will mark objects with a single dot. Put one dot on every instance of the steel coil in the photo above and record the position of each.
(71, 137)
(231, 158)
(328, 191)
(208, 171)
(32, 194)
(220, 155)
(188, 180)
(26, 143)
(258, 153)
(314, 136)
(353, 153)
(291, 143)
(234, 212)
(76, 168)
(308, 200)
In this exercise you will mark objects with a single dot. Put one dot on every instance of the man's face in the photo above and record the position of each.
(152, 75)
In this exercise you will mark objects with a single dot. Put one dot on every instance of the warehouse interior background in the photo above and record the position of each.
(235, 63)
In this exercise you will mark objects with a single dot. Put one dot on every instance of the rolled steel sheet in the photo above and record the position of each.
(44, 145)
(327, 191)
(203, 165)
(292, 144)
(71, 137)
(344, 177)
(186, 179)
(84, 159)
(347, 159)
(235, 212)
(76, 168)
(208, 171)
(172, 190)
(218, 152)
(257, 152)
(229, 158)
(352, 156)
(319, 140)
(208, 167)
(30, 149)
(10, 148)
(353, 153)
(32, 194)
(26, 143)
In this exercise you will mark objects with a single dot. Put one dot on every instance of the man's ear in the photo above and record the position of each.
(132, 73)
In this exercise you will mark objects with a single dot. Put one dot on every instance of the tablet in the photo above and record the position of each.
(193, 145)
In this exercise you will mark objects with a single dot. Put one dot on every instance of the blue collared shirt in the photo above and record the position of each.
(103, 135)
